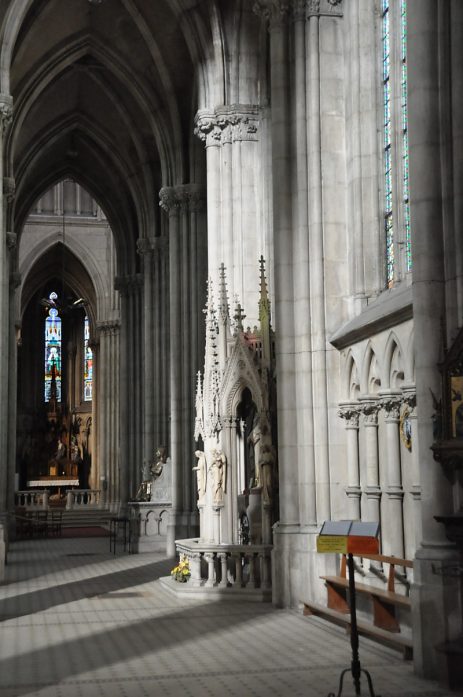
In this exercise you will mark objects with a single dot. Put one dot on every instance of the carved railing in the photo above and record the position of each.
(32, 499)
(77, 499)
(228, 566)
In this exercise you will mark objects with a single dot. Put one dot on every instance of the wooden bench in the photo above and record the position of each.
(384, 601)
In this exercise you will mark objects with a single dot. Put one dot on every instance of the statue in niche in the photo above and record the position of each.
(201, 473)
(157, 466)
(218, 470)
(266, 465)
(264, 456)
(247, 413)
(60, 450)
(144, 490)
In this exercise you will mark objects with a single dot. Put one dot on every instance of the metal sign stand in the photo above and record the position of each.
(355, 667)
(350, 537)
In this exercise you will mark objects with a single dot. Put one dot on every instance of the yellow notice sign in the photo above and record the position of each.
(332, 543)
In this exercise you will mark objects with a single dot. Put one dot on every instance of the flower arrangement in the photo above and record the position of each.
(181, 572)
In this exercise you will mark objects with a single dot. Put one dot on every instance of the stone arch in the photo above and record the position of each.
(371, 379)
(393, 369)
(350, 378)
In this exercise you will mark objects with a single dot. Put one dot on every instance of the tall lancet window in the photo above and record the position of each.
(52, 351)
(88, 363)
(395, 140)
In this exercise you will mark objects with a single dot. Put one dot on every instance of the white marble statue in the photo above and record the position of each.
(218, 470)
(201, 473)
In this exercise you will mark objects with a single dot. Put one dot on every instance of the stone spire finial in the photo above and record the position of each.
(264, 301)
(239, 316)
(223, 308)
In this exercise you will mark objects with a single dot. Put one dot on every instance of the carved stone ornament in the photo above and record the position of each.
(11, 240)
(228, 124)
(275, 12)
(6, 111)
(351, 414)
(370, 413)
(391, 406)
(188, 197)
(9, 188)
(144, 246)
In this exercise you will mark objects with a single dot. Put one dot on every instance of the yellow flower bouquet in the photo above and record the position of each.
(181, 572)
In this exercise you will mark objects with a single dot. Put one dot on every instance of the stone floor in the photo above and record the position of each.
(78, 621)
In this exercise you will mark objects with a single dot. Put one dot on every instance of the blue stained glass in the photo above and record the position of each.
(52, 351)
(389, 230)
(405, 158)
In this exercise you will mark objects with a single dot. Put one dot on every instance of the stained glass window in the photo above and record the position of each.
(388, 219)
(52, 351)
(403, 90)
(88, 363)
(395, 129)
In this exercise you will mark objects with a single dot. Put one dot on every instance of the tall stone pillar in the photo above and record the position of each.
(301, 262)
(182, 204)
(231, 134)
(111, 411)
(393, 543)
(6, 112)
(351, 413)
(433, 593)
(15, 281)
(372, 490)
(145, 249)
(276, 14)
(316, 265)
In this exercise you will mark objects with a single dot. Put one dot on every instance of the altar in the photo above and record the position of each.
(47, 482)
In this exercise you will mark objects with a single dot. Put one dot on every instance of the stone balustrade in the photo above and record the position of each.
(32, 499)
(228, 568)
(83, 498)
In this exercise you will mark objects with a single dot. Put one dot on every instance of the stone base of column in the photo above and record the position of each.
(296, 566)
(436, 611)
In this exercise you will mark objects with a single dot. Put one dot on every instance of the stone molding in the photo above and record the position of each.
(184, 197)
(144, 246)
(227, 124)
(9, 188)
(6, 111)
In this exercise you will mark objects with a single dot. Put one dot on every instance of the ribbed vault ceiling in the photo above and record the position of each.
(104, 93)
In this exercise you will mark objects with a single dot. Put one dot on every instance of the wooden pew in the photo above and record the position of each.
(384, 602)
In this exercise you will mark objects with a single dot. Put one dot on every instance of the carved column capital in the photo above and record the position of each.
(228, 124)
(186, 197)
(108, 326)
(168, 200)
(275, 12)
(391, 404)
(144, 246)
(11, 240)
(207, 128)
(351, 413)
(329, 8)
(6, 111)
(370, 410)
(9, 188)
